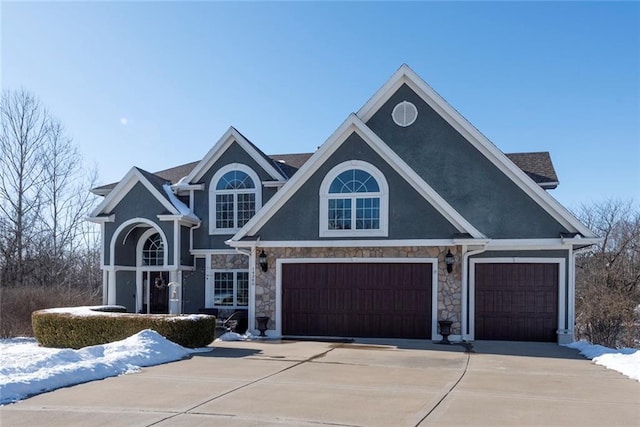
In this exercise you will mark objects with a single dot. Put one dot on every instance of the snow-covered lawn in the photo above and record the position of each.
(624, 360)
(27, 369)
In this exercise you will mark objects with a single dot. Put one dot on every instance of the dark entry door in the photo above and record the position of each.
(158, 291)
(390, 300)
(516, 302)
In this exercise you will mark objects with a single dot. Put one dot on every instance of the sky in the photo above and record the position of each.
(156, 84)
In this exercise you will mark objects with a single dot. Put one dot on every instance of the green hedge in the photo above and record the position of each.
(69, 329)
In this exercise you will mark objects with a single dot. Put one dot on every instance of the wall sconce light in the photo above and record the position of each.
(449, 259)
(262, 259)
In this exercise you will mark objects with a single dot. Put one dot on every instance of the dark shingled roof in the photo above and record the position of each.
(537, 165)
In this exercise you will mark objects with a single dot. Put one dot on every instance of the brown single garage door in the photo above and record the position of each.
(516, 302)
(390, 300)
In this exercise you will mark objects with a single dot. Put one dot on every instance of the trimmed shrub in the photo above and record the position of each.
(71, 328)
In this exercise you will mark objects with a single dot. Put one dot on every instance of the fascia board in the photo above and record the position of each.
(124, 186)
(101, 219)
(343, 243)
(406, 75)
(220, 147)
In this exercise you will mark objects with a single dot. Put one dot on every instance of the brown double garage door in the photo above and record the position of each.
(385, 300)
(516, 301)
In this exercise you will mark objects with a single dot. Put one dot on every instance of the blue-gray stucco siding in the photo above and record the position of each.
(462, 175)
(410, 215)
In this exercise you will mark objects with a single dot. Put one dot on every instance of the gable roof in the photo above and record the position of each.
(349, 126)
(405, 75)
(151, 182)
(230, 136)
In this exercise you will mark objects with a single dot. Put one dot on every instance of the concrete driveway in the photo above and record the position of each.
(367, 383)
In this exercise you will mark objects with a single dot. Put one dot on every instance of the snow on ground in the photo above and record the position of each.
(27, 369)
(625, 360)
(234, 336)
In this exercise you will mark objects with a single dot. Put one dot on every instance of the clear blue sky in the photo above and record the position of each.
(155, 84)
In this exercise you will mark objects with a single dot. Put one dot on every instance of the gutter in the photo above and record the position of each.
(465, 283)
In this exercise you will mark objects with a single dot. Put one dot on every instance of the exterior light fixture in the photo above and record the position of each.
(262, 259)
(449, 259)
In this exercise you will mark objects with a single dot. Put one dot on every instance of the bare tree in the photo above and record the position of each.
(66, 202)
(44, 198)
(608, 275)
(23, 132)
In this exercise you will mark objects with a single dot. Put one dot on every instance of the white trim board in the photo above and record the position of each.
(122, 189)
(230, 136)
(405, 75)
(354, 260)
(470, 289)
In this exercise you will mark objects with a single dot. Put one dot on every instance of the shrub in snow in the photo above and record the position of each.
(78, 327)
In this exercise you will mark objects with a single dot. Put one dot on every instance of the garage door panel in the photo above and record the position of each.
(517, 302)
(359, 300)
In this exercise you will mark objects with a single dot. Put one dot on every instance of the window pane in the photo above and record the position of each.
(224, 211)
(223, 288)
(368, 213)
(354, 181)
(153, 251)
(235, 180)
(242, 294)
(339, 214)
(246, 208)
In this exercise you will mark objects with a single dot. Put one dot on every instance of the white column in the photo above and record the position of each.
(111, 292)
(105, 286)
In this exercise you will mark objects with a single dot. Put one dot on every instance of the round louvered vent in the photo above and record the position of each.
(404, 114)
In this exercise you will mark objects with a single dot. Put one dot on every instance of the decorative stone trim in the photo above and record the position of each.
(229, 262)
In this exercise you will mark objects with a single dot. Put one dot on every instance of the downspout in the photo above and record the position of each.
(251, 314)
(191, 236)
(465, 283)
(570, 331)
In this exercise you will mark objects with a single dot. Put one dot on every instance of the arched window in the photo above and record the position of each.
(153, 251)
(234, 198)
(354, 200)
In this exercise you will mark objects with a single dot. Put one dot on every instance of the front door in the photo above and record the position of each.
(156, 292)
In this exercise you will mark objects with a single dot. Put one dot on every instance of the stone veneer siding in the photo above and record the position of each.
(230, 262)
(449, 284)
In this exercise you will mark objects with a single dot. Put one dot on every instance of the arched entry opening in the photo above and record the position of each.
(153, 278)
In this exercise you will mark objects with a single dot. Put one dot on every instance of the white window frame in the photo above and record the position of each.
(235, 289)
(383, 195)
(257, 191)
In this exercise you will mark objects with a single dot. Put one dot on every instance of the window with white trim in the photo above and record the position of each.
(230, 288)
(153, 251)
(234, 198)
(354, 201)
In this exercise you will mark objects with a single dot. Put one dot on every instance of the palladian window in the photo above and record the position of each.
(234, 199)
(353, 201)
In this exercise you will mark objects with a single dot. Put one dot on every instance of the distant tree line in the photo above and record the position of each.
(608, 275)
(49, 254)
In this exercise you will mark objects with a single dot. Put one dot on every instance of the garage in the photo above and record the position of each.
(374, 300)
(516, 301)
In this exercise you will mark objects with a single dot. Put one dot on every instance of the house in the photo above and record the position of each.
(404, 216)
